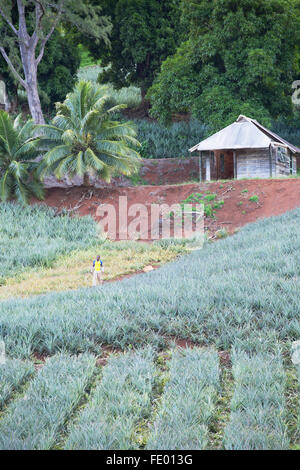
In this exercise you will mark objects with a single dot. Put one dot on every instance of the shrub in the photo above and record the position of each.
(84, 137)
(121, 399)
(32, 422)
(187, 403)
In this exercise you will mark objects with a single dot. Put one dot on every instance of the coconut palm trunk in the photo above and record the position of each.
(86, 180)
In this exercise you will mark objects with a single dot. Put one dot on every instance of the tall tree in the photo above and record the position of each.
(144, 33)
(241, 57)
(56, 72)
(27, 27)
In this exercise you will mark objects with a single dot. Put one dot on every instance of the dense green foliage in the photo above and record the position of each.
(57, 71)
(32, 422)
(288, 129)
(159, 141)
(13, 374)
(241, 58)
(144, 33)
(32, 236)
(131, 96)
(240, 289)
(187, 404)
(120, 400)
(258, 408)
(25, 29)
(84, 138)
(18, 149)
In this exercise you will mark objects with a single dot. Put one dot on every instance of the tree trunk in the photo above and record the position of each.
(30, 72)
(86, 180)
(34, 100)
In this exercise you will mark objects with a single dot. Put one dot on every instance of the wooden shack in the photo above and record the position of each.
(245, 149)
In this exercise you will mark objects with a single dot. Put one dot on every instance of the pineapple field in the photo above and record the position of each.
(194, 355)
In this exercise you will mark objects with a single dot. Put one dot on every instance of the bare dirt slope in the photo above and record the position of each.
(274, 198)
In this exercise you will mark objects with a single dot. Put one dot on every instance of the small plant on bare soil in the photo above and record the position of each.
(254, 198)
(209, 200)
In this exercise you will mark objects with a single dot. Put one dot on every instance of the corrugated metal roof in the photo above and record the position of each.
(242, 134)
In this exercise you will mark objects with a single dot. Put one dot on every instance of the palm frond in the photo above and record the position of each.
(65, 166)
(6, 186)
(49, 132)
(22, 192)
(18, 121)
(36, 188)
(56, 154)
(7, 131)
(27, 131)
(92, 162)
(80, 166)
(28, 149)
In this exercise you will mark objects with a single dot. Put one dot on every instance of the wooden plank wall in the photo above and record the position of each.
(282, 169)
(254, 163)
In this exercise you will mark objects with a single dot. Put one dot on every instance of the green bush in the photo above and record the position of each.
(231, 63)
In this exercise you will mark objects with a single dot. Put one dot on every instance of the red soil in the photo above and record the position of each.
(275, 198)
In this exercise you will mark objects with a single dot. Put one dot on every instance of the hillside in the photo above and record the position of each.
(275, 197)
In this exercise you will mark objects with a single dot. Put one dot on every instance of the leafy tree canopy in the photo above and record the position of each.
(56, 72)
(26, 26)
(241, 57)
(144, 33)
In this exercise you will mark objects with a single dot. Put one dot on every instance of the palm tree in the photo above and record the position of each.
(83, 138)
(18, 150)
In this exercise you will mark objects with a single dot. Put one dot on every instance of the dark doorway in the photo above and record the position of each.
(222, 167)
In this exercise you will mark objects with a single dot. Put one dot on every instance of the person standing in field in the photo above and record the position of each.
(97, 270)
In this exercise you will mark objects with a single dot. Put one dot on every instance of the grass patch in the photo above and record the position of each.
(73, 271)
